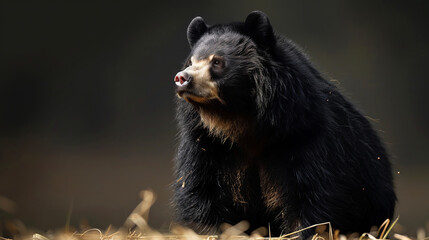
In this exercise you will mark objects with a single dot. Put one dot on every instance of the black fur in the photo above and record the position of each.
(307, 155)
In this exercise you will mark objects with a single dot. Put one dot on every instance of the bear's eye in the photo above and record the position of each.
(218, 62)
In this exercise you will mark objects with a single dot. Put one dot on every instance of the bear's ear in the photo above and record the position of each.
(259, 28)
(196, 29)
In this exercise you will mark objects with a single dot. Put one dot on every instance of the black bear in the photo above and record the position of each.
(264, 137)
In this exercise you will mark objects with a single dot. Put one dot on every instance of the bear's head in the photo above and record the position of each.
(222, 75)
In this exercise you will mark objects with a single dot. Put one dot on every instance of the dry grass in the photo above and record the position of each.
(136, 227)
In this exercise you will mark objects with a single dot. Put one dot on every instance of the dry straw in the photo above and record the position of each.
(136, 227)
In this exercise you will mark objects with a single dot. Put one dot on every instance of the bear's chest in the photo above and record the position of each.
(247, 193)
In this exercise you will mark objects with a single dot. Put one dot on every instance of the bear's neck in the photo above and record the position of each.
(233, 129)
(227, 127)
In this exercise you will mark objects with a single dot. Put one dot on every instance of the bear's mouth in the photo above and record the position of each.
(195, 98)
(191, 97)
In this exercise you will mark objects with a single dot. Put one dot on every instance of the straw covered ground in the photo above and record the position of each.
(136, 227)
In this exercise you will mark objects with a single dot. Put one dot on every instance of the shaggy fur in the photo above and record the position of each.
(280, 146)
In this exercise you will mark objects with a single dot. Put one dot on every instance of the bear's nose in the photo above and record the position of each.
(182, 78)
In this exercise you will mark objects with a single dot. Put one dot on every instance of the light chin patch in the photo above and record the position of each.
(193, 99)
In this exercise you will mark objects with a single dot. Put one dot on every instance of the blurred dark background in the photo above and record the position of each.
(87, 96)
